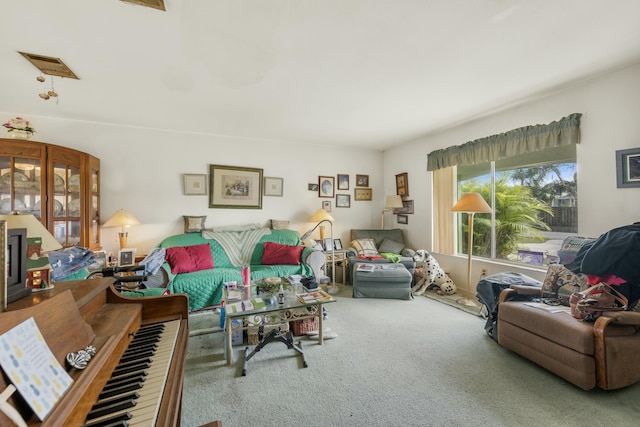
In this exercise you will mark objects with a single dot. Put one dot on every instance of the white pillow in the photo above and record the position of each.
(365, 247)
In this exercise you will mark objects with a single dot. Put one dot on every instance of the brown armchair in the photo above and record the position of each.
(604, 354)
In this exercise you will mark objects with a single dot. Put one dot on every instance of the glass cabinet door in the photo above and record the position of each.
(67, 205)
(94, 208)
(21, 186)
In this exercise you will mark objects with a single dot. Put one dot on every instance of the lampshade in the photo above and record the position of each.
(321, 215)
(471, 202)
(34, 229)
(122, 219)
(393, 202)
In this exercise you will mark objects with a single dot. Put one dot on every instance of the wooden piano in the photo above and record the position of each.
(76, 314)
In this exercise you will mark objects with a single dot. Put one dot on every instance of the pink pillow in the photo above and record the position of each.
(275, 253)
(185, 259)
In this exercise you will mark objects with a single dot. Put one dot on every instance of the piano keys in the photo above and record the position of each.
(124, 372)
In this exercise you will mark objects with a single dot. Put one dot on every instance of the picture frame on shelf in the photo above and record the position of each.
(273, 186)
(343, 182)
(326, 205)
(328, 244)
(362, 180)
(402, 184)
(362, 194)
(195, 184)
(337, 244)
(343, 200)
(235, 187)
(126, 257)
(403, 219)
(326, 186)
(628, 168)
(407, 208)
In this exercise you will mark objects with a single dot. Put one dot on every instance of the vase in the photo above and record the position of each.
(20, 134)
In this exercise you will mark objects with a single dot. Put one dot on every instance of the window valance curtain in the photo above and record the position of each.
(565, 131)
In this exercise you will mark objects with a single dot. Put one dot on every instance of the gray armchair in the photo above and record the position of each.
(394, 238)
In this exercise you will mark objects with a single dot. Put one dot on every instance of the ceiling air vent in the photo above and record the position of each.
(155, 4)
(49, 65)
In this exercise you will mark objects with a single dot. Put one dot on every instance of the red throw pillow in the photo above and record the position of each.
(185, 259)
(275, 253)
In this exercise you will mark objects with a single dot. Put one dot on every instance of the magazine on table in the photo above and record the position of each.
(314, 296)
(365, 267)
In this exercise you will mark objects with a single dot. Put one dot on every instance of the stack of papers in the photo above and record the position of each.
(365, 267)
(315, 296)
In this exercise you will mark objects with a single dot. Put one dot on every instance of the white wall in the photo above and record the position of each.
(610, 108)
(141, 171)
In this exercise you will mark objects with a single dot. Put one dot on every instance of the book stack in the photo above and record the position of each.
(313, 297)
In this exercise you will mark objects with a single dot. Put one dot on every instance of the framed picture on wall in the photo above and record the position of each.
(628, 168)
(402, 184)
(235, 187)
(362, 194)
(403, 219)
(195, 184)
(343, 200)
(362, 180)
(343, 182)
(407, 208)
(273, 186)
(326, 205)
(326, 186)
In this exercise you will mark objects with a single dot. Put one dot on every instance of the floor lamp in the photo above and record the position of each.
(321, 216)
(393, 202)
(470, 203)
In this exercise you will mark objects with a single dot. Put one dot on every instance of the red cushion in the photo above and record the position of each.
(275, 253)
(185, 259)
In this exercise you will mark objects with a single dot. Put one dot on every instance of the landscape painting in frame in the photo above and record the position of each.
(628, 168)
(234, 187)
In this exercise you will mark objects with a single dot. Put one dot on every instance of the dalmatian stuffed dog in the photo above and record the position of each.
(432, 274)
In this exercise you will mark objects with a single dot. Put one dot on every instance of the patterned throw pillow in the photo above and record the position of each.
(559, 282)
(194, 224)
(365, 247)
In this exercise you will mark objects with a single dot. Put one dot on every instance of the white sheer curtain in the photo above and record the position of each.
(444, 193)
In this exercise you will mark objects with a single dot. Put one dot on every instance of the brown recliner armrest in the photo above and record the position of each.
(520, 290)
(611, 317)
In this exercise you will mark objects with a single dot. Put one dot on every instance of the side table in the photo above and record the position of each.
(336, 256)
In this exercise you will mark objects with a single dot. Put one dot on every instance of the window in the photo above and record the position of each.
(534, 201)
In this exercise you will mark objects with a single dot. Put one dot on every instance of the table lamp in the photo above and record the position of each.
(34, 229)
(470, 203)
(393, 202)
(122, 219)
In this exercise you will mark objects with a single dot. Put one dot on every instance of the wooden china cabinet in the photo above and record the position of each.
(58, 185)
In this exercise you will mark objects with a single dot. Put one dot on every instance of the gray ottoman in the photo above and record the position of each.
(385, 281)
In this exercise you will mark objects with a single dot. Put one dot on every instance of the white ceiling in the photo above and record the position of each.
(369, 73)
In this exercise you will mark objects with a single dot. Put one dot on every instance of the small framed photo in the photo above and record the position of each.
(337, 244)
(343, 200)
(326, 205)
(195, 184)
(403, 219)
(343, 182)
(101, 259)
(402, 184)
(326, 186)
(126, 257)
(628, 168)
(362, 194)
(362, 180)
(328, 244)
(273, 186)
(407, 208)
(312, 187)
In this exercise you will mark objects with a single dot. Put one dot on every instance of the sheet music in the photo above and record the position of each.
(32, 368)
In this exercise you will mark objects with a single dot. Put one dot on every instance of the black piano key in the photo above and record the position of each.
(130, 368)
(116, 420)
(102, 403)
(119, 390)
(111, 409)
(136, 356)
(140, 342)
(149, 331)
(134, 376)
(125, 381)
(133, 352)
